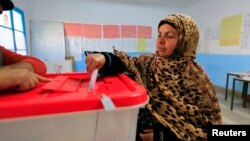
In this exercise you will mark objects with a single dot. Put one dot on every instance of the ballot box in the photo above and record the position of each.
(64, 109)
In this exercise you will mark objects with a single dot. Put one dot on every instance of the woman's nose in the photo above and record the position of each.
(161, 39)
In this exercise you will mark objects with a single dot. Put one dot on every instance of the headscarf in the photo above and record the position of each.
(188, 34)
(182, 97)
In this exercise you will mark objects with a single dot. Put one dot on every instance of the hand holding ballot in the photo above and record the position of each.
(94, 61)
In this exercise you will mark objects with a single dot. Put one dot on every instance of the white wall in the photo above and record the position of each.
(206, 13)
(88, 11)
(224, 59)
(210, 13)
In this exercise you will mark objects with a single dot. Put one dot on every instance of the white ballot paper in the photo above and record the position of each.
(93, 79)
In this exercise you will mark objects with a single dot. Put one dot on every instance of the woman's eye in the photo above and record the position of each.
(167, 35)
(170, 35)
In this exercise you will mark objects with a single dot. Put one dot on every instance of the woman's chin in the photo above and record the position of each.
(161, 54)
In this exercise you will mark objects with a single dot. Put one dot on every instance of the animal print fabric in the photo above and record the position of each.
(182, 97)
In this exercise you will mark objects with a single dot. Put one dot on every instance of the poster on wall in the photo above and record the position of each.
(47, 40)
(52, 41)
(245, 36)
(231, 28)
(96, 37)
(230, 36)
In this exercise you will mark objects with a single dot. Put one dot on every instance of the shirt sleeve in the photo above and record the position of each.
(10, 57)
(113, 64)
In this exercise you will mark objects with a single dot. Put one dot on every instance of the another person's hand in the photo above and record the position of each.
(19, 79)
(94, 61)
(148, 135)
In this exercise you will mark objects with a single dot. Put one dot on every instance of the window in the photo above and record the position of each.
(12, 29)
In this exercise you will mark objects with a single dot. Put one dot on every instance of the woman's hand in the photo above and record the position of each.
(148, 135)
(94, 61)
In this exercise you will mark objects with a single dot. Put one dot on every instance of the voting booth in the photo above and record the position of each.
(65, 109)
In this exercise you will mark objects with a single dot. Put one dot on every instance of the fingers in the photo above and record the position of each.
(27, 81)
(93, 66)
(94, 61)
(33, 81)
(148, 135)
(30, 81)
(90, 63)
(23, 86)
(42, 79)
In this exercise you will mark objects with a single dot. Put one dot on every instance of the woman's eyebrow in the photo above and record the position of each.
(169, 32)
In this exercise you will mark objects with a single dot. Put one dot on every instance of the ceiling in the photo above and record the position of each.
(168, 3)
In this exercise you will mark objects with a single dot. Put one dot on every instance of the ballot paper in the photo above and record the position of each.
(93, 79)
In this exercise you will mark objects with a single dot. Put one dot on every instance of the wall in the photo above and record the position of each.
(88, 11)
(210, 13)
(206, 13)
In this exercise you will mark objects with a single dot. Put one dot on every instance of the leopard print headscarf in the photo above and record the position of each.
(182, 97)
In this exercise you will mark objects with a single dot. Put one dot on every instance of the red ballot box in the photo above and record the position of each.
(64, 109)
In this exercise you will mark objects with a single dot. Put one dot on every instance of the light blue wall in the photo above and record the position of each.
(217, 66)
(220, 59)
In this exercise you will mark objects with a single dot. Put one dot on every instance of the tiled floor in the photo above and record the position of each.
(239, 114)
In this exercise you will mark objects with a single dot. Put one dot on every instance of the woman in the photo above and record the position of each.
(183, 101)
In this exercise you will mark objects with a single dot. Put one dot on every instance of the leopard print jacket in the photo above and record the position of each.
(182, 97)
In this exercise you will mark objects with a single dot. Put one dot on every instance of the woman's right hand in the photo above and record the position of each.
(148, 135)
(94, 61)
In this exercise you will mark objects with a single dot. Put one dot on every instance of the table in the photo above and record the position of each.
(244, 91)
(236, 74)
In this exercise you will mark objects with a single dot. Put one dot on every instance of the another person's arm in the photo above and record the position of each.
(20, 72)
(19, 79)
(12, 60)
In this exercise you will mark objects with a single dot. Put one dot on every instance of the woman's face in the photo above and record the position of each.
(166, 40)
